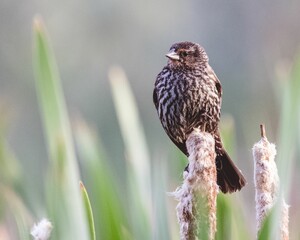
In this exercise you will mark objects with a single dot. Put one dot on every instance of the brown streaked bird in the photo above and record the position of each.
(188, 95)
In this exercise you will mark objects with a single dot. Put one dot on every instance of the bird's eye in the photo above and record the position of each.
(183, 54)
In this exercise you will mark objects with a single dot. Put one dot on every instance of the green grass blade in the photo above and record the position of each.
(89, 211)
(137, 152)
(289, 117)
(223, 218)
(65, 202)
(289, 92)
(231, 224)
(108, 210)
(230, 221)
(161, 229)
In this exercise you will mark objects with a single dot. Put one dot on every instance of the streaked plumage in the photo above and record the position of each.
(188, 95)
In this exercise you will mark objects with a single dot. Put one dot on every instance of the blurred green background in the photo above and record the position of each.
(253, 47)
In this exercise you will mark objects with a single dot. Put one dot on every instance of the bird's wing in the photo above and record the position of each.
(155, 100)
(194, 120)
(212, 74)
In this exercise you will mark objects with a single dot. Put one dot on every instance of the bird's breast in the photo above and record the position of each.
(184, 102)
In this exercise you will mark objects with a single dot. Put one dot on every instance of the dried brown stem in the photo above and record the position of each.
(262, 130)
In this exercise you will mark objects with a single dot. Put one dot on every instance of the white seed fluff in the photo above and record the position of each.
(41, 230)
(198, 182)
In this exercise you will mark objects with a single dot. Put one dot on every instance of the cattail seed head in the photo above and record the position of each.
(266, 178)
(266, 182)
(199, 186)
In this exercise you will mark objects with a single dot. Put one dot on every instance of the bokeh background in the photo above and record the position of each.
(251, 44)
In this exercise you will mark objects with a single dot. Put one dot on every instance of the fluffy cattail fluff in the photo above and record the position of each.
(284, 223)
(266, 182)
(266, 178)
(42, 230)
(199, 188)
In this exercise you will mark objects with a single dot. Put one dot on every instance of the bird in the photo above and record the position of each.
(187, 95)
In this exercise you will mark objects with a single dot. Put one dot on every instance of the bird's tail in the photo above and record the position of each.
(229, 177)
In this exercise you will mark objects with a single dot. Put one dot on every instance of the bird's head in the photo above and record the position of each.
(186, 55)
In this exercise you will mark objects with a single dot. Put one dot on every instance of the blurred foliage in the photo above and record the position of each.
(65, 205)
(138, 207)
(107, 202)
(89, 211)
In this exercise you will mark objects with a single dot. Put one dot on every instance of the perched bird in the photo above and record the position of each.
(188, 95)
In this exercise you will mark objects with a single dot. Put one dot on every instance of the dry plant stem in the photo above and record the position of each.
(198, 182)
(262, 131)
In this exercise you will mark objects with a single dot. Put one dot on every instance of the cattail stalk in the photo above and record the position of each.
(266, 182)
(284, 221)
(198, 194)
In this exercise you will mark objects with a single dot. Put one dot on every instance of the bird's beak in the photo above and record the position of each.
(172, 55)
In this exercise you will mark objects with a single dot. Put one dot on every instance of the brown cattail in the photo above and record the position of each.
(265, 178)
(266, 181)
(199, 188)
